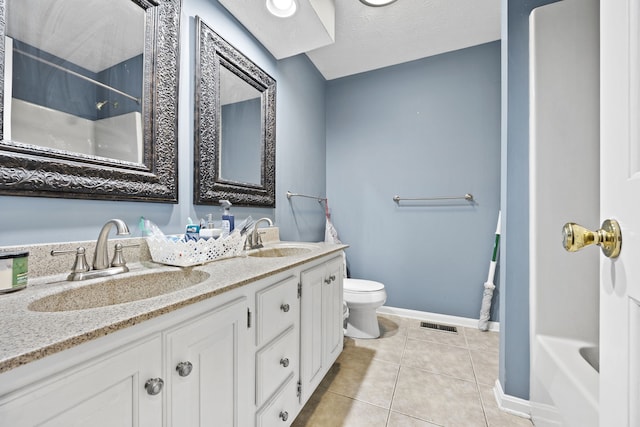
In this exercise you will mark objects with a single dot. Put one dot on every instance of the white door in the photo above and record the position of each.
(620, 200)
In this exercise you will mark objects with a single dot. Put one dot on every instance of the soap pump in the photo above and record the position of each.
(227, 218)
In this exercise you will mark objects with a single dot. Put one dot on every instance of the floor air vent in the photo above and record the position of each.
(438, 327)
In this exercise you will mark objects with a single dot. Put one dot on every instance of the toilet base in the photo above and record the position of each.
(362, 324)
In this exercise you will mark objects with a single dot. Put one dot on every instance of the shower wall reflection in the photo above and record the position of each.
(70, 92)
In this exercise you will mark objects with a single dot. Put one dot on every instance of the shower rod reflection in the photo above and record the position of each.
(468, 197)
(73, 73)
(319, 199)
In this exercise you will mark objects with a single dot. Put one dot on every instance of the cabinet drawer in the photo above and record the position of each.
(277, 307)
(275, 362)
(282, 409)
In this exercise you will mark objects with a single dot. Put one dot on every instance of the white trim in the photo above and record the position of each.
(435, 317)
(511, 404)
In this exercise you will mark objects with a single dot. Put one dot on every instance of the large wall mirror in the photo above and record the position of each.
(235, 125)
(89, 91)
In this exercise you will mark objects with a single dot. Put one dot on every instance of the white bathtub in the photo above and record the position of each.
(568, 380)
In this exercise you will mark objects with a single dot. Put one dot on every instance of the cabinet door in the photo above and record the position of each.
(311, 341)
(321, 322)
(108, 391)
(332, 298)
(214, 393)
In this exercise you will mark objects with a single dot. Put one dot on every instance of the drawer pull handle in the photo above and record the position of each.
(184, 368)
(284, 307)
(154, 386)
(284, 362)
(332, 277)
(284, 415)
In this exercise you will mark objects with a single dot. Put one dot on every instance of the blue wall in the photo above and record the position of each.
(300, 141)
(301, 149)
(425, 128)
(514, 298)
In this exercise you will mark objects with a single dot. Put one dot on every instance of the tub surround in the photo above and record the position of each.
(564, 123)
(29, 335)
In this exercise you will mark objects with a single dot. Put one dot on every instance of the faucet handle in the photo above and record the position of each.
(80, 265)
(118, 257)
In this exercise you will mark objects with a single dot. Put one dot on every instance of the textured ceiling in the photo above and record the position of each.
(366, 38)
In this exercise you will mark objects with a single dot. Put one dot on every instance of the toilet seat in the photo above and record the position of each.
(359, 285)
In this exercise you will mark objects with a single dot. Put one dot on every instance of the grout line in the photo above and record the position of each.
(395, 385)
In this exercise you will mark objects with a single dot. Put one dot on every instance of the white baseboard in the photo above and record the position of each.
(437, 318)
(511, 404)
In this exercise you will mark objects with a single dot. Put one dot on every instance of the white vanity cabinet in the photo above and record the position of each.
(187, 368)
(247, 357)
(105, 391)
(321, 329)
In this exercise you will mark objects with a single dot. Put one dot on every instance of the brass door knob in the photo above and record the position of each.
(609, 237)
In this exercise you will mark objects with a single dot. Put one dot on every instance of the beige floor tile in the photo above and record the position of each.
(389, 349)
(495, 416)
(400, 420)
(482, 340)
(438, 399)
(441, 337)
(327, 409)
(485, 366)
(370, 381)
(438, 358)
(391, 325)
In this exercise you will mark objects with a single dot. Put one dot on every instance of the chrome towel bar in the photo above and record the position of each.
(319, 199)
(468, 197)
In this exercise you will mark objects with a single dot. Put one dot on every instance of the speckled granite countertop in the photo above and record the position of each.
(27, 335)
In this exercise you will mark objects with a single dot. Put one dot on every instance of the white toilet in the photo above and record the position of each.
(363, 297)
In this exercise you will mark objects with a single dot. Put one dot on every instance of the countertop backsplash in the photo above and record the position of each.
(42, 263)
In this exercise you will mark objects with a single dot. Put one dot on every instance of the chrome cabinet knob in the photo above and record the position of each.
(284, 415)
(284, 307)
(284, 362)
(154, 386)
(332, 278)
(327, 281)
(609, 237)
(184, 368)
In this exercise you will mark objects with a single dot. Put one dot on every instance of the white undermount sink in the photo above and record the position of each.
(119, 290)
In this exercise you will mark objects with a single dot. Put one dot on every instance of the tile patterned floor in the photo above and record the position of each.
(411, 377)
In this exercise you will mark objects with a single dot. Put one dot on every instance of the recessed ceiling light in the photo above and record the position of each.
(282, 8)
(376, 3)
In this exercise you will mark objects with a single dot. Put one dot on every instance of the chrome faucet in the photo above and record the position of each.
(253, 239)
(102, 267)
(101, 255)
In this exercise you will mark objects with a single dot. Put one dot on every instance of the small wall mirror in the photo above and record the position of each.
(235, 125)
(89, 99)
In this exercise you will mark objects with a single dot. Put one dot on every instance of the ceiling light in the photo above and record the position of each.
(376, 3)
(282, 8)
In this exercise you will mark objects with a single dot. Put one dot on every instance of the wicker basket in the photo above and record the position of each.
(186, 254)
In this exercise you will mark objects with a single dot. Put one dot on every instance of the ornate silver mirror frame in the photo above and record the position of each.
(27, 170)
(211, 185)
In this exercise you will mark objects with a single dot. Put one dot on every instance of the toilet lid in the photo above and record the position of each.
(359, 285)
